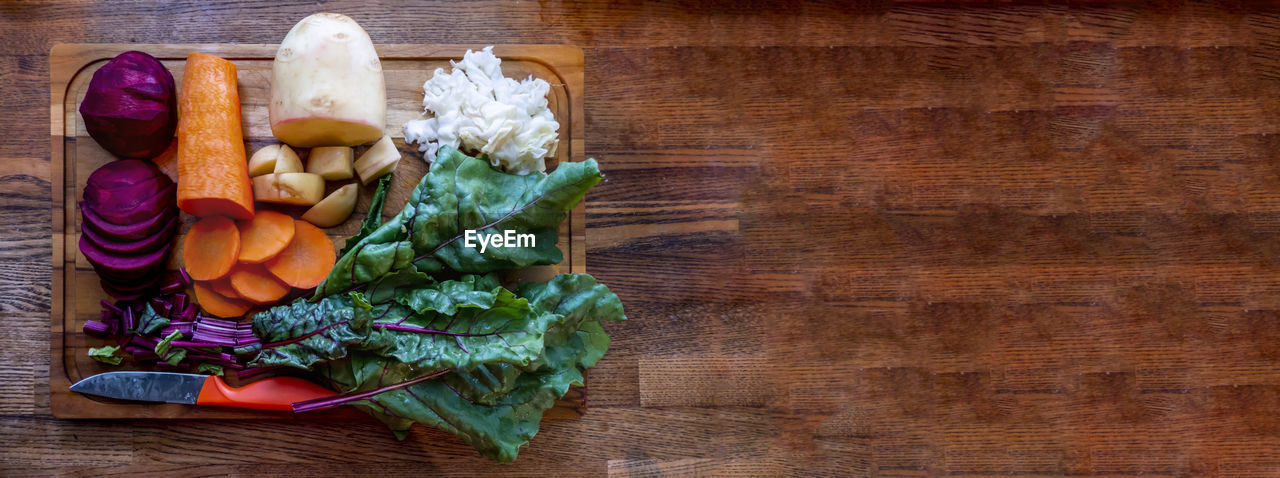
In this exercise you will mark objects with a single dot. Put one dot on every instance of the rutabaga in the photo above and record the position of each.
(327, 87)
(476, 109)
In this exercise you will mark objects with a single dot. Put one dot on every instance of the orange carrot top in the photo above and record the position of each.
(213, 175)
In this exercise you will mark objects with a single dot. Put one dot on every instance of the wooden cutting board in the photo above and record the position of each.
(74, 155)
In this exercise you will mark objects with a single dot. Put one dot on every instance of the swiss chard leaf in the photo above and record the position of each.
(209, 368)
(422, 294)
(302, 333)
(462, 193)
(575, 297)
(169, 353)
(579, 302)
(431, 326)
(506, 332)
(498, 428)
(484, 384)
(150, 322)
(175, 356)
(597, 342)
(466, 355)
(495, 407)
(162, 348)
(106, 354)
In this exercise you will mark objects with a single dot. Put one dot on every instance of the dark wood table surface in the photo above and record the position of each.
(869, 239)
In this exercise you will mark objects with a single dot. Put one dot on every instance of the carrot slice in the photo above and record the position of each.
(307, 259)
(254, 283)
(213, 175)
(223, 287)
(214, 303)
(264, 236)
(211, 248)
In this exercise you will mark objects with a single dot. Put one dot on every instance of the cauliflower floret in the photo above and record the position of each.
(475, 108)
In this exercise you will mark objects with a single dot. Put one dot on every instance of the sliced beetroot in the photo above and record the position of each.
(131, 232)
(119, 269)
(139, 211)
(124, 198)
(123, 174)
(131, 248)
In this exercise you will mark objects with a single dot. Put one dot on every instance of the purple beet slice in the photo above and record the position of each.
(124, 173)
(124, 198)
(118, 269)
(130, 212)
(133, 248)
(131, 232)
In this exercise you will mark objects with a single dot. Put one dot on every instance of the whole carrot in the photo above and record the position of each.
(213, 175)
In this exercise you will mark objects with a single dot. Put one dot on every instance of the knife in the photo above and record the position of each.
(273, 393)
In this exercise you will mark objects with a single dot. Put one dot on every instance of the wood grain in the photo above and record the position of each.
(853, 238)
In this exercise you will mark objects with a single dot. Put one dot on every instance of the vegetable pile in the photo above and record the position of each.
(254, 262)
(406, 322)
(465, 355)
(278, 177)
(166, 331)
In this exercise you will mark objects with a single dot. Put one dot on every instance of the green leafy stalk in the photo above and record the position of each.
(373, 218)
(162, 348)
(167, 352)
(409, 317)
(302, 333)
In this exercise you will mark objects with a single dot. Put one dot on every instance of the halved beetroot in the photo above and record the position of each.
(118, 269)
(131, 232)
(129, 212)
(133, 248)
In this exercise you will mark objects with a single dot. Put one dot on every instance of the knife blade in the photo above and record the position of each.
(273, 393)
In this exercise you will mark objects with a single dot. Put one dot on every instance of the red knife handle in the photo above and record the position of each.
(274, 393)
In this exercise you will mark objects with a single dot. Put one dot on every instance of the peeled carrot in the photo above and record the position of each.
(213, 174)
(254, 283)
(211, 248)
(306, 261)
(264, 236)
(223, 287)
(214, 303)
